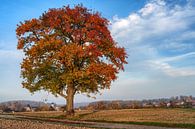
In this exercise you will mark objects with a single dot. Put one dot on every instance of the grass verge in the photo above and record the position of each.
(159, 124)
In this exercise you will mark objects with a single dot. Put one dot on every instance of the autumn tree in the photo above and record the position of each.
(68, 51)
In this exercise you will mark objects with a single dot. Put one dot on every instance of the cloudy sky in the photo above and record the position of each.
(159, 37)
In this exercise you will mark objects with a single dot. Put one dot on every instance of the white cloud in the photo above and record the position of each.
(172, 71)
(154, 20)
(187, 35)
(176, 46)
(178, 57)
(148, 9)
(155, 30)
(164, 64)
(155, 7)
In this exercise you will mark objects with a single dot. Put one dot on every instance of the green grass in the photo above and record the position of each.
(159, 124)
(189, 109)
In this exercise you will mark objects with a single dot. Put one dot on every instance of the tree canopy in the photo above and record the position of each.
(69, 50)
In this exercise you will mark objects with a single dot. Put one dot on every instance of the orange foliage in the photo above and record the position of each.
(69, 46)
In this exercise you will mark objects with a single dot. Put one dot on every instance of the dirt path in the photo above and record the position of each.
(82, 123)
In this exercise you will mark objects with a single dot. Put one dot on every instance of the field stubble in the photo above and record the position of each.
(182, 116)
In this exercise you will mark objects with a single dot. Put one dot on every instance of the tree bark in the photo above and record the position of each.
(70, 100)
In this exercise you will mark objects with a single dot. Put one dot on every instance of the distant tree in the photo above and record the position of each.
(7, 109)
(100, 105)
(68, 51)
(19, 107)
(115, 105)
(3, 107)
(188, 104)
(44, 107)
(163, 104)
(136, 105)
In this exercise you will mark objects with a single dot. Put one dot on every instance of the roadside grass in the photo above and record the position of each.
(159, 124)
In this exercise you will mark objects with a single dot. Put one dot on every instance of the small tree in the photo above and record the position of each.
(68, 51)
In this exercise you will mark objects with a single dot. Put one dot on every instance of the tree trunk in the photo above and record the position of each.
(70, 100)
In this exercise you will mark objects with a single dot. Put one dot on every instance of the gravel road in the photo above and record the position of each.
(27, 124)
(17, 122)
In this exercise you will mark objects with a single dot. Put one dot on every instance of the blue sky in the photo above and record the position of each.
(159, 36)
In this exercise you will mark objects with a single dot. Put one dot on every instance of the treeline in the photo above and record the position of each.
(21, 106)
(173, 102)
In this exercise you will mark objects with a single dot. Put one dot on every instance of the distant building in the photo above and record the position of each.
(193, 103)
(54, 107)
(156, 104)
(168, 104)
(147, 105)
(27, 109)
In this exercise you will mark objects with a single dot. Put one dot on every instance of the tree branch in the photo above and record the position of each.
(36, 35)
(63, 95)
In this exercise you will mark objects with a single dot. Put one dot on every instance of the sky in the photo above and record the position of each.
(158, 35)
